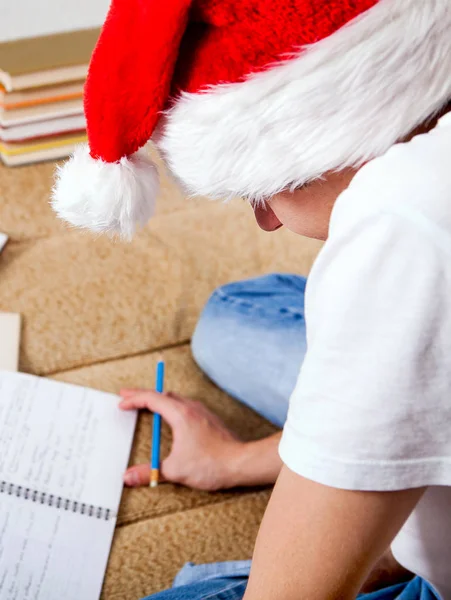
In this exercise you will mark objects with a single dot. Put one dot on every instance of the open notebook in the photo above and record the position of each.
(63, 450)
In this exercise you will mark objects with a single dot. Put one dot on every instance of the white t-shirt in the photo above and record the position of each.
(372, 406)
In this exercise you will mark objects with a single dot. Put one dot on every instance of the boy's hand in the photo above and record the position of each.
(203, 449)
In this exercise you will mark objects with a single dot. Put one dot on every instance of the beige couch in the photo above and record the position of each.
(97, 312)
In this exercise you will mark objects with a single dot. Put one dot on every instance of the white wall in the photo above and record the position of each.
(29, 18)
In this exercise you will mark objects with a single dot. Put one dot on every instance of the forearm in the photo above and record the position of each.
(321, 540)
(256, 463)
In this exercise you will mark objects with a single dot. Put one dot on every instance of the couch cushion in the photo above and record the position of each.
(86, 299)
(25, 212)
(147, 555)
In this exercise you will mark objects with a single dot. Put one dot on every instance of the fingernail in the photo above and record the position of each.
(131, 478)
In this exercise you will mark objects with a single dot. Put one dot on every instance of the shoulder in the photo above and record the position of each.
(412, 179)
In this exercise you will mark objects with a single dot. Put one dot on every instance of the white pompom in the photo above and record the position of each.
(111, 198)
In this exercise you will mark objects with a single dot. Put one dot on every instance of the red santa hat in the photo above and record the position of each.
(248, 97)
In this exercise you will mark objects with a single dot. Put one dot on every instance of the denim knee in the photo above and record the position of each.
(206, 345)
(274, 301)
(250, 341)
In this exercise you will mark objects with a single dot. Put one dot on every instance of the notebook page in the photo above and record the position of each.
(3, 240)
(63, 439)
(9, 341)
(50, 554)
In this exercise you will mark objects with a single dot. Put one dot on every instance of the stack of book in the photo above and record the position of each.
(41, 95)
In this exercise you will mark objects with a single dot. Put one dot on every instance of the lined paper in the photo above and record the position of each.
(63, 439)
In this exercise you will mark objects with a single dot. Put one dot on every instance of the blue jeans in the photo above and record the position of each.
(250, 340)
(227, 581)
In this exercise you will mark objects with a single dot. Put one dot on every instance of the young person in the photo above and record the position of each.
(365, 456)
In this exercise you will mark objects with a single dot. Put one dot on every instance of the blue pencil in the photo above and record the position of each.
(156, 431)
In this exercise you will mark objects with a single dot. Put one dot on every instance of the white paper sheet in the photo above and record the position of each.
(9, 341)
(49, 554)
(63, 439)
(3, 240)
(63, 451)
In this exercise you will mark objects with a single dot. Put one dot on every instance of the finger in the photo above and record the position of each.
(127, 392)
(165, 405)
(178, 397)
(145, 399)
(139, 475)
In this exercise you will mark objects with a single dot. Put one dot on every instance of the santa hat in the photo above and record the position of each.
(248, 97)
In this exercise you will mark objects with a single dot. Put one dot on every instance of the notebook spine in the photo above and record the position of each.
(54, 501)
